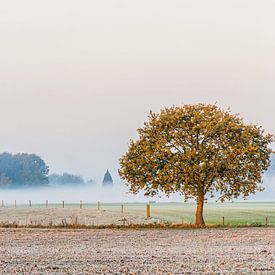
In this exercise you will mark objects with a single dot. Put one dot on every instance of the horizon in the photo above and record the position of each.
(78, 78)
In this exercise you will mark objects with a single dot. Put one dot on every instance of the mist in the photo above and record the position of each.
(73, 194)
(117, 194)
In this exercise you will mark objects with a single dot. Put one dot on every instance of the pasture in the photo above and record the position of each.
(235, 214)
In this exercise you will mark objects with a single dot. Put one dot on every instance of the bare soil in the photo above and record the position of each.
(106, 251)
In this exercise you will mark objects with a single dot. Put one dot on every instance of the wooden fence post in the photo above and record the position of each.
(63, 204)
(46, 203)
(30, 203)
(148, 211)
(98, 205)
(266, 221)
(223, 221)
(122, 208)
(81, 204)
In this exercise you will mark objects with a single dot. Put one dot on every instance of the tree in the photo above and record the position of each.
(65, 179)
(107, 180)
(4, 180)
(22, 170)
(9, 168)
(33, 170)
(197, 150)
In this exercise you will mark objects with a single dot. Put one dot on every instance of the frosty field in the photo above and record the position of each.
(106, 251)
(238, 213)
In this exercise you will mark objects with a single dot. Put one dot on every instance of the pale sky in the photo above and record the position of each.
(77, 78)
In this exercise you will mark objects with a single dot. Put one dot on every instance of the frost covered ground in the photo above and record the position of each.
(99, 251)
(60, 216)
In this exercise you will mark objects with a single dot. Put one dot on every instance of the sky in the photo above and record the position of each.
(77, 78)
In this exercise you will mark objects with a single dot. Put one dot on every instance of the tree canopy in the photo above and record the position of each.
(22, 170)
(197, 150)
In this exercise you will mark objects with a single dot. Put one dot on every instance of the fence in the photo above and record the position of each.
(178, 213)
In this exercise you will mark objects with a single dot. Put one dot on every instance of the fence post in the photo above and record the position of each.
(122, 208)
(266, 223)
(81, 204)
(98, 205)
(148, 211)
(30, 203)
(223, 221)
(15, 204)
(46, 203)
(63, 204)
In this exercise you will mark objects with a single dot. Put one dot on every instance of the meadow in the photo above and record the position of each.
(235, 214)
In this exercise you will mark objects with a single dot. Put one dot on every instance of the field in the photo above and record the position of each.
(49, 250)
(243, 213)
(106, 251)
(238, 213)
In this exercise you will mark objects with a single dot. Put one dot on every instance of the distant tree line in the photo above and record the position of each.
(22, 170)
(65, 178)
(29, 170)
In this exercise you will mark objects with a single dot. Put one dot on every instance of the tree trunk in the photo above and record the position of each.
(199, 213)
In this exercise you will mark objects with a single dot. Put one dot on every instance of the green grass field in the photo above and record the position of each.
(237, 213)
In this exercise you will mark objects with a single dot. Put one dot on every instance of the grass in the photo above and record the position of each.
(235, 214)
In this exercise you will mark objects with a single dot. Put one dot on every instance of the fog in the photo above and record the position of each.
(118, 194)
(73, 194)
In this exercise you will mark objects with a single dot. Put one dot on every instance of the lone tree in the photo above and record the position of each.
(197, 150)
(107, 180)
